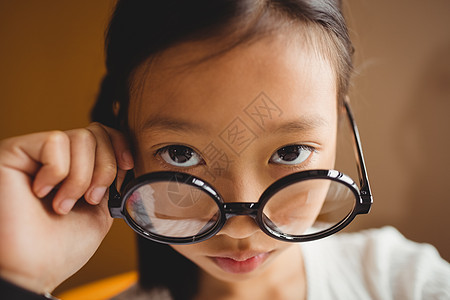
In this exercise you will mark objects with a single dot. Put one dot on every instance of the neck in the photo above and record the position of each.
(285, 278)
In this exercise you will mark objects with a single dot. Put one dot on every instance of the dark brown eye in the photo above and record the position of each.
(180, 156)
(292, 154)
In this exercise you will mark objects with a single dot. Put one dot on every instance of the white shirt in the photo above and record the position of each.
(376, 264)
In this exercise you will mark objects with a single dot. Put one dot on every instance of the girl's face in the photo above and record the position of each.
(240, 121)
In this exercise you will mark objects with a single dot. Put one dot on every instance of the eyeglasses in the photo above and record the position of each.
(178, 208)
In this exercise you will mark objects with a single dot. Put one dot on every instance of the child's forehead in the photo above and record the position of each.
(280, 48)
(284, 71)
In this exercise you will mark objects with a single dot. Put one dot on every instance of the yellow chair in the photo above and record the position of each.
(101, 289)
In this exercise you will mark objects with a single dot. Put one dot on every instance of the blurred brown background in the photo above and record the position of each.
(51, 62)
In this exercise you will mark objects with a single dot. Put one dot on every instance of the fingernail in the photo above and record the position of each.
(44, 191)
(128, 158)
(66, 205)
(97, 194)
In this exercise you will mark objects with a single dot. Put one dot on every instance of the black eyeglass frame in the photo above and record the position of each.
(363, 198)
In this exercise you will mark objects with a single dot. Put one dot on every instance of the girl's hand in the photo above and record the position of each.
(47, 231)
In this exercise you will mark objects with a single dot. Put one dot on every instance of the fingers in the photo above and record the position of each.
(105, 167)
(83, 146)
(113, 154)
(78, 162)
(55, 160)
(121, 148)
(95, 154)
(44, 156)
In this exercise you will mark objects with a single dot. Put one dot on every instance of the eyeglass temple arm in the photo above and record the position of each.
(115, 198)
(365, 190)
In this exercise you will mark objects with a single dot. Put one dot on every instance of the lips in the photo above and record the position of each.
(240, 264)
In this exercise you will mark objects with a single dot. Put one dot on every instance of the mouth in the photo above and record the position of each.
(240, 264)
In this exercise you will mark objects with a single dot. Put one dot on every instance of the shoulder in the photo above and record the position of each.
(378, 263)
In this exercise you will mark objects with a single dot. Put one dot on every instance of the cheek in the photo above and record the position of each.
(294, 209)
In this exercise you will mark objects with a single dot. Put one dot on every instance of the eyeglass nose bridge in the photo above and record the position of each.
(241, 209)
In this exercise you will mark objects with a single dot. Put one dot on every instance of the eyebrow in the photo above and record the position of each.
(301, 124)
(177, 125)
(167, 123)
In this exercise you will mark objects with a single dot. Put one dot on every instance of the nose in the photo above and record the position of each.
(241, 216)
(241, 208)
(241, 219)
(239, 227)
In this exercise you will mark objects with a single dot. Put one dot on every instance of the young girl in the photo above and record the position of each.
(226, 115)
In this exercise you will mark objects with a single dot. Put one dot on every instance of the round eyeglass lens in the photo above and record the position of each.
(172, 209)
(308, 207)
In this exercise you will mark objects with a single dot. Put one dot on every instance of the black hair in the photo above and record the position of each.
(139, 29)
